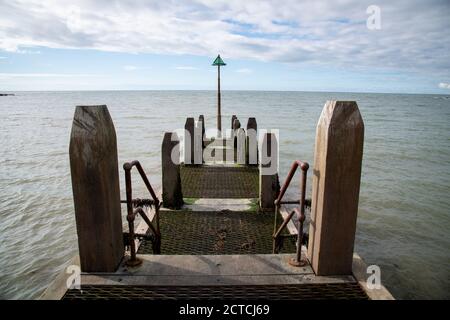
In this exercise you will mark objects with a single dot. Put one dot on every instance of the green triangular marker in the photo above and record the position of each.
(219, 61)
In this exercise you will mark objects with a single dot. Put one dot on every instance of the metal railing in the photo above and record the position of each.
(277, 236)
(135, 207)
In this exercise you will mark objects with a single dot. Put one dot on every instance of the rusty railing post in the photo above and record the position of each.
(133, 261)
(298, 262)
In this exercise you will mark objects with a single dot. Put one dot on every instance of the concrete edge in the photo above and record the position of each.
(359, 269)
(58, 287)
(214, 280)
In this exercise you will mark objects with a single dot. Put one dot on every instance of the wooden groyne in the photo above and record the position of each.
(221, 225)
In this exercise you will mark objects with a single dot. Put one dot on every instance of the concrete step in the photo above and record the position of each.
(212, 270)
(217, 204)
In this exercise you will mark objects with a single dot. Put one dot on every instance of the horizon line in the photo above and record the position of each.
(229, 90)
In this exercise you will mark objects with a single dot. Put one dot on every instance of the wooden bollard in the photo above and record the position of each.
(198, 143)
(233, 117)
(202, 119)
(241, 142)
(171, 181)
(189, 127)
(336, 182)
(236, 126)
(252, 142)
(251, 124)
(96, 193)
(269, 184)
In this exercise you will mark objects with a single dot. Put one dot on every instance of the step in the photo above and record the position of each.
(221, 204)
(212, 270)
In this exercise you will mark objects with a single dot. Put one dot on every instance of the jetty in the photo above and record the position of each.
(221, 226)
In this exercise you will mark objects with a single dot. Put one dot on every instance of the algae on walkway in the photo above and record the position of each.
(219, 181)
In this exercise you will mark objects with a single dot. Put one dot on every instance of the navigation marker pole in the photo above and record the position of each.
(218, 62)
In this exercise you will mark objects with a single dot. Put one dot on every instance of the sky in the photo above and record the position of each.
(343, 46)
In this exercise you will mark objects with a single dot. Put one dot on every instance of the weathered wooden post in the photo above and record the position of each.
(202, 119)
(251, 124)
(189, 141)
(95, 185)
(241, 146)
(269, 184)
(252, 142)
(233, 117)
(236, 126)
(336, 182)
(198, 143)
(171, 180)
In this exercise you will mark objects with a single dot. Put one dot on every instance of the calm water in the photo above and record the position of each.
(403, 222)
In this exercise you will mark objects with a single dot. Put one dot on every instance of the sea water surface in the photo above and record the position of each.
(403, 221)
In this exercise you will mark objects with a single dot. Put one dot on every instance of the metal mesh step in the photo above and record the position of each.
(219, 182)
(244, 292)
(189, 232)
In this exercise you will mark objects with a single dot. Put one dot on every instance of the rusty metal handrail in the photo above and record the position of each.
(304, 166)
(132, 213)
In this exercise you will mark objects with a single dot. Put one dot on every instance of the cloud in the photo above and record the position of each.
(444, 85)
(2, 58)
(244, 70)
(46, 75)
(185, 68)
(329, 33)
(129, 68)
(26, 51)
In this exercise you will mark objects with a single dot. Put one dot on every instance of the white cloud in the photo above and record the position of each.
(2, 58)
(26, 51)
(244, 70)
(46, 75)
(185, 68)
(444, 85)
(129, 68)
(329, 33)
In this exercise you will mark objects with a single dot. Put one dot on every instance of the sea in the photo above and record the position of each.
(404, 206)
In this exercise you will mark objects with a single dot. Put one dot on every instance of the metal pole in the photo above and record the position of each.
(133, 261)
(301, 217)
(219, 116)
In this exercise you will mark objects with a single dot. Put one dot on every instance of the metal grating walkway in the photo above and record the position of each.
(219, 182)
(317, 291)
(189, 232)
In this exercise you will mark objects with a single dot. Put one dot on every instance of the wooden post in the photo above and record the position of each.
(189, 141)
(251, 124)
(171, 180)
(335, 194)
(202, 119)
(241, 142)
(252, 142)
(198, 141)
(233, 117)
(269, 184)
(236, 126)
(95, 185)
